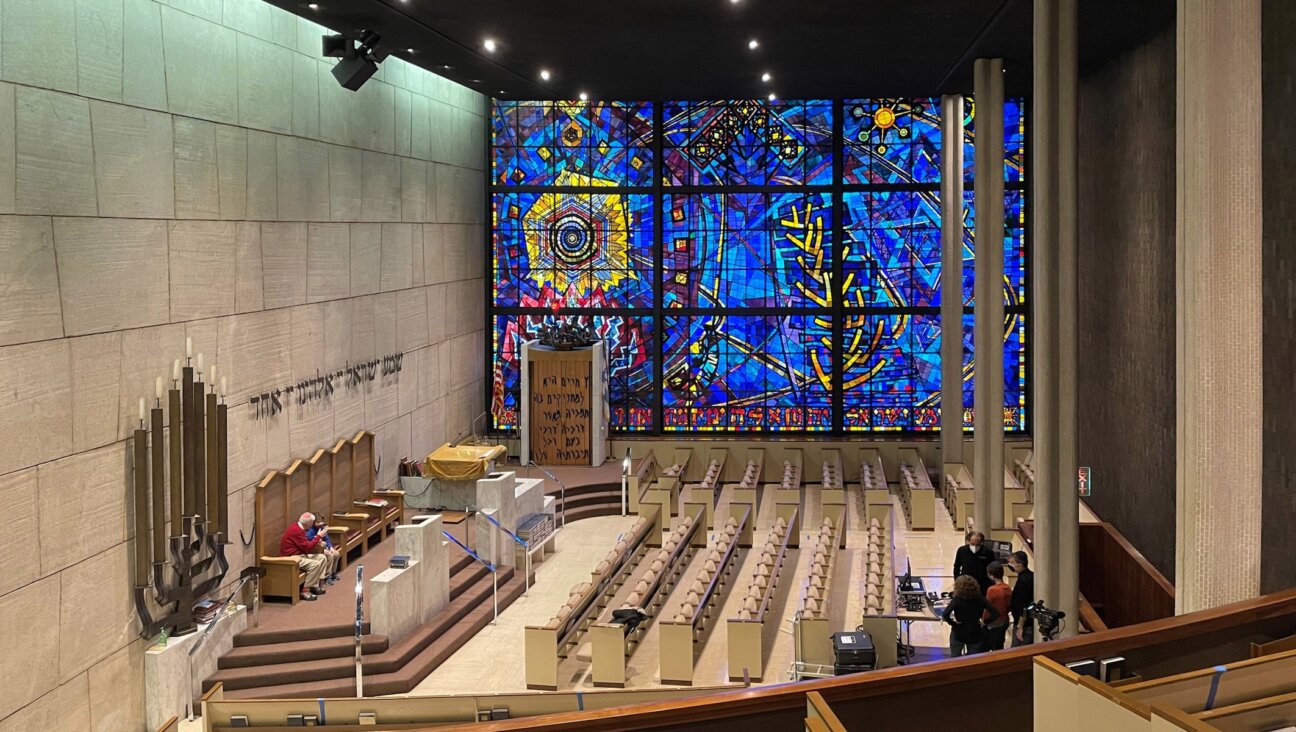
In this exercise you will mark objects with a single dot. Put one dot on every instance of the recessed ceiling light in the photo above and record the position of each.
(489, 45)
(584, 97)
(772, 96)
(314, 6)
(544, 74)
(446, 67)
(734, 2)
(410, 51)
(501, 91)
(753, 44)
(474, 81)
(766, 77)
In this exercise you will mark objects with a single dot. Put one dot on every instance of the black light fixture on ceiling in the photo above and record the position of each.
(358, 56)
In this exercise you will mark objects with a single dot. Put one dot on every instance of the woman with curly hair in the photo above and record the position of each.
(964, 614)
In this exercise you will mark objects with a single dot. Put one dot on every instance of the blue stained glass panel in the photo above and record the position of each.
(747, 142)
(892, 248)
(733, 250)
(573, 249)
(891, 141)
(1014, 139)
(747, 373)
(547, 143)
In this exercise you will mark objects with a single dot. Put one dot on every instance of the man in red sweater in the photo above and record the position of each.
(309, 554)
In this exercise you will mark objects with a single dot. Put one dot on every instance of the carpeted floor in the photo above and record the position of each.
(337, 606)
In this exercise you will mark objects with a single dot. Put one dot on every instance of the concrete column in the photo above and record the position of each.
(988, 321)
(1054, 272)
(1218, 303)
(951, 279)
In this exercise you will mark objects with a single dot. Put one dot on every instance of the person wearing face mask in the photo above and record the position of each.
(972, 558)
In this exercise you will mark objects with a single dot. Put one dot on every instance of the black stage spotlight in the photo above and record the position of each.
(357, 60)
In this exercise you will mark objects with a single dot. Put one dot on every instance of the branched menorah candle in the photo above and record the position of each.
(181, 561)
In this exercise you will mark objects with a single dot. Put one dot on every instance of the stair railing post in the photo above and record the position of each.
(359, 620)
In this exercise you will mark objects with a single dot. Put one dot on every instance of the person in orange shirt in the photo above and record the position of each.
(999, 595)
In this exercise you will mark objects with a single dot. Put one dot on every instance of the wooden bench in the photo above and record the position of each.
(833, 478)
(684, 634)
(751, 631)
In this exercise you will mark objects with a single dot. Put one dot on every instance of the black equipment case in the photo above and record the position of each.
(853, 652)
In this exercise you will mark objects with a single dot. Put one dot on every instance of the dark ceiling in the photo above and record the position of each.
(698, 49)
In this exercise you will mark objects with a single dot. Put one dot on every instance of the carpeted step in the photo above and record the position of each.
(602, 509)
(266, 654)
(269, 636)
(378, 681)
(449, 620)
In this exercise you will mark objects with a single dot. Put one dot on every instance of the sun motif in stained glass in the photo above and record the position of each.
(578, 242)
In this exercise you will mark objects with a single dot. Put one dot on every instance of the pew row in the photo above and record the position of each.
(873, 480)
(917, 496)
(752, 630)
(638, 481)
(684, 635)
(545, 645)
(833, 480)
(613, 643)
(817, 617)
(960, 495)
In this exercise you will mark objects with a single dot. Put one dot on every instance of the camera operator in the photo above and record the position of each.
(1023, 595)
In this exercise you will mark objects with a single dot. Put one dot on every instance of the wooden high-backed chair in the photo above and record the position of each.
(339, 499)
(320, 471)
(382, 520)
(283, 577)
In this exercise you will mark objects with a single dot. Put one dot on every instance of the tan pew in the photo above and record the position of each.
(960, 494)
(545, 645)
(751, 631)
(873, 480)
(917, 496)
(611, 645)
(817, 617)
(642, 477)
(684, 634)
(833, 478)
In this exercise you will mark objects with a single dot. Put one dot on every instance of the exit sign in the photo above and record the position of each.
(1084, 478)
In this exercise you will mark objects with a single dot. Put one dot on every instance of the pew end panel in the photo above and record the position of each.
(540, 646)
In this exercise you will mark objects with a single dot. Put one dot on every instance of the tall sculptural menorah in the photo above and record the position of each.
(180, 561)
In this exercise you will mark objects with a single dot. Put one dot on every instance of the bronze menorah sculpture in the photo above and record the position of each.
(192, 544)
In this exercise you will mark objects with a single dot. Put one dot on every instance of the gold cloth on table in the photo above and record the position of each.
(464, 462)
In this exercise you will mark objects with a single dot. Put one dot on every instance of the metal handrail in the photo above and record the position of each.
(526, 550)
(202, 637)
(562, 490)
(490, 567)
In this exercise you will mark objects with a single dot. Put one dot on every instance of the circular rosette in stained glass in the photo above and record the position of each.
(576, 243)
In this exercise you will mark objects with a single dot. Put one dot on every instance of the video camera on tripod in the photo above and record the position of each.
(1048, 621)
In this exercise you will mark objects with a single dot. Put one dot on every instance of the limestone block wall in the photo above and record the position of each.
(190, 168)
